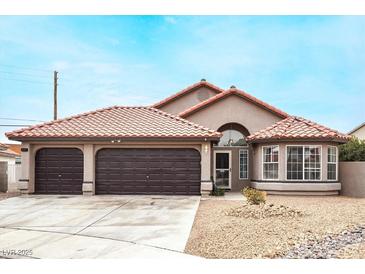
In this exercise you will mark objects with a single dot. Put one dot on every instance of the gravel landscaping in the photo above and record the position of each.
(355, 251)
(328, 247)
(217, 234)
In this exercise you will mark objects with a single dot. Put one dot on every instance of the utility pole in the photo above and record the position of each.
(55, 78)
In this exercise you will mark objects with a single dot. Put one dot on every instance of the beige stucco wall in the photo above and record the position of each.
(359, 133)
(27, 180)
(257, 158)
(234, 109)
(352, 177)
(188, 100)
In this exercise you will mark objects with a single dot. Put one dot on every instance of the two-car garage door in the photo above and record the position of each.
(168, 171)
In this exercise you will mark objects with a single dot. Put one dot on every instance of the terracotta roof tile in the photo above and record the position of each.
(15, 148)
(3, 146)
(233, 91)
(117, 122)
(191, 88)
(297, 128)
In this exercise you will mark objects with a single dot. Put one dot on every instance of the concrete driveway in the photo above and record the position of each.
(96, 226)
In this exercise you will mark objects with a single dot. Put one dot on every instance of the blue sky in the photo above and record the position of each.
(310, 66)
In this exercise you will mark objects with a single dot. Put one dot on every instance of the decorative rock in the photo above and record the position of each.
(329, 246)
(263, 211)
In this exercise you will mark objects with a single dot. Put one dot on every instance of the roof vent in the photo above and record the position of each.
(203, 80)
(232, 87)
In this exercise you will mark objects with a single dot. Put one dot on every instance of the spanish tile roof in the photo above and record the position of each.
(117, 122)
(202, 83)
(298, 128)
(233, 91)
(8, 153)
(3, 146)
(15, 148)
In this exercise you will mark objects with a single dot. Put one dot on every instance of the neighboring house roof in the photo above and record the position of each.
(202, 83)
(15, 148)
(237, 92)
(357, 128)
(6, 151)
(299, 128)
(117, 122)
(3, 146)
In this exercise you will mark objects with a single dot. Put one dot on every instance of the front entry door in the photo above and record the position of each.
(222, 165)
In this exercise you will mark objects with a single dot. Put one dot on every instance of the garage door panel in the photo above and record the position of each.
(148, 171)
(59, 171)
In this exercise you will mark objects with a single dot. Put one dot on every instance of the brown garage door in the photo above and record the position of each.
(148, 171)
(59, 171)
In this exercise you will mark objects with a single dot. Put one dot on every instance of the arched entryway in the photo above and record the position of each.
(231, 157)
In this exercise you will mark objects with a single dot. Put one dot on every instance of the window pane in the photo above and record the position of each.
(271, 171)
(243, 164)
(222, 160)
(232, 137)
(312, 163)
(331, 172)
(294, 163)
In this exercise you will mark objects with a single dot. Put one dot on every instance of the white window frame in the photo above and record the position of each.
(239, 164)
(336, 163)
(263, 163)
(320, 160)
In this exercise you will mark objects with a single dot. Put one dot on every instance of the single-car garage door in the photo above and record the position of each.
(167, 171)
(59, 171)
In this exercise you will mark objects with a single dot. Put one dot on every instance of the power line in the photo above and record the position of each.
(15, 125)
(25, 68)
(21, 73)
(24, 80)
(18, 119)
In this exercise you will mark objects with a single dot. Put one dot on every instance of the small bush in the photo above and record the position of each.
(217, 191)
(353, 150)
(254, 196)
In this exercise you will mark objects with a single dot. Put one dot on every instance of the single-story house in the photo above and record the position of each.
(9, 162)
(200, 136)
(9, 153)
(358, 132)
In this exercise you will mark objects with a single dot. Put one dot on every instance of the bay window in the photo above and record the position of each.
(303, 163)
(270, 161)
(332, 163)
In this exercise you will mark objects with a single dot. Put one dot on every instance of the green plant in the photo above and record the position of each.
(217, 191)
(353, 150)
(254, 196)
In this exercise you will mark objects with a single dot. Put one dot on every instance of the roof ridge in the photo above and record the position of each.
(316, 125)
(295, 127)
(182, 120)
(239, 92)
(187, 89)
(126, 121)
(206, 101)
(83, 114)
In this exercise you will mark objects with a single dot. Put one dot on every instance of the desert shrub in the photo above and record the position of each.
(353, 150)
(217, 192)
(254, 196)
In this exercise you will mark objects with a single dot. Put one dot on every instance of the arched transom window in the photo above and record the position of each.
(233, 135)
